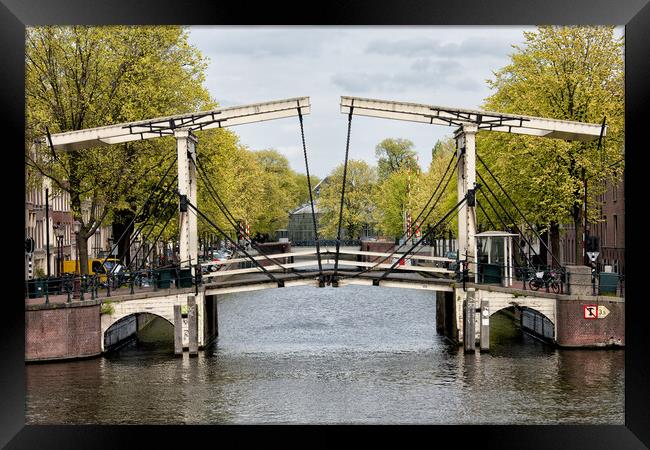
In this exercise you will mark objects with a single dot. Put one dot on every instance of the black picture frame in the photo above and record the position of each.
(634, 14)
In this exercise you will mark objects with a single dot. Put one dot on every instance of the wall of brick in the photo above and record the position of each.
(377, 246)
(62, 331)
(573, 330)
(274, 248)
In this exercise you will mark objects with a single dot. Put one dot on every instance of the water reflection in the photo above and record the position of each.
(346, 355)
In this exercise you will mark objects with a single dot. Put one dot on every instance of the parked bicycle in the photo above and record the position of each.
(545, 278)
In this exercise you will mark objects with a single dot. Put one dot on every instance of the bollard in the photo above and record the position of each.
(92, 287)
(178, 331)
(192, 325)
(67, 289)
(469, 311)
(83, 288)
(47, 291)
(485, 326)
(593, 282)
(131, 283)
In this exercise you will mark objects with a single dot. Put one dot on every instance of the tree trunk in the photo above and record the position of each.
(82, 253)
(122, 219)
(543, 254)
(555, 244)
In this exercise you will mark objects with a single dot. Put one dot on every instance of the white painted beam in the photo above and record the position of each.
(485, 120)
(423, 285)
(165, 126)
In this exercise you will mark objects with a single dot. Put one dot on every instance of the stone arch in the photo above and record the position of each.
(534, 316)
(544, 306)
(113, 319)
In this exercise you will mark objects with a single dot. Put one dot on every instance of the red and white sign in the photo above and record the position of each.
(590, 311)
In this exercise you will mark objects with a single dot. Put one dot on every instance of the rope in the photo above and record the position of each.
(169, 208)
(425, 218)
(150, 213)
(139, 211)
(236, 244)
(311, 197)
(486, 215)
(505, 226)
(446, 216)
(345, 172)
(144, 259)
(224, 210)
(518, 210)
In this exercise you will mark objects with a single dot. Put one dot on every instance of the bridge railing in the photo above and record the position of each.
(348, 259)
(70, 287)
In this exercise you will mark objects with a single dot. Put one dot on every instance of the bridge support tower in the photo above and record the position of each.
(188, 234)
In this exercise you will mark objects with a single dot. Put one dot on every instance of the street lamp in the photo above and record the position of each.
(58, 231)
(77, 281)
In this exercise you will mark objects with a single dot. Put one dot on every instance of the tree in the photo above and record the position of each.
(300, 192)
(446, 196)
(568, 73)
(394, 155)
(392, 199)
(279, 186)
(358, 201)
(80, 77)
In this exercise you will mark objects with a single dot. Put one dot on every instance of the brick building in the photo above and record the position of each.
(610, 229)
(60, 215)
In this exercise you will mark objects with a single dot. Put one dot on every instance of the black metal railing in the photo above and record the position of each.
(70, 287)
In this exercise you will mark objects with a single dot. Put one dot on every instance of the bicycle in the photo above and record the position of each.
(547, 278)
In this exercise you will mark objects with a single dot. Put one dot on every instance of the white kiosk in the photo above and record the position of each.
(494, 257)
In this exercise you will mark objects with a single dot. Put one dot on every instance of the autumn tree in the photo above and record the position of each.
(81, 77)
(568, 73)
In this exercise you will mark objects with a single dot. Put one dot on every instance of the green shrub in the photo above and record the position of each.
(106, 308)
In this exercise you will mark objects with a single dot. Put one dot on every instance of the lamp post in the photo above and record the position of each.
(58, 231)
(77, 281)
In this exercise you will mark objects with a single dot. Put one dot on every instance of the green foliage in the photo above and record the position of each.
(358, 206)
(568, 73)
(80, 77)
(106, 307)
(392, 199)
(276, 182)
(394, 155)
(256, 186)
(405, 190)
(446, 196)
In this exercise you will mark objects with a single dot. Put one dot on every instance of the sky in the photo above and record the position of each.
(436, 65)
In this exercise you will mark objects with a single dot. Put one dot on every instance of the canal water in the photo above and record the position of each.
(347, 355)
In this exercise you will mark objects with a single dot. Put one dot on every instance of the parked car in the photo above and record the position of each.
(451, 265)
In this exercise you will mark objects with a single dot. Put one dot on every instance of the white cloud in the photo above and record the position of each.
(444, 66)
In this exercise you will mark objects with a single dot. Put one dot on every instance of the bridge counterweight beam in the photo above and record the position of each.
(188, 233)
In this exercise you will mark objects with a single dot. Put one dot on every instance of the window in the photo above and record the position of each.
(615, 231)
(604, 237)
(614, 192)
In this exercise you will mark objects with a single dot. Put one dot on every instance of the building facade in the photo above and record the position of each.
(60, 223)
(610, 230)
